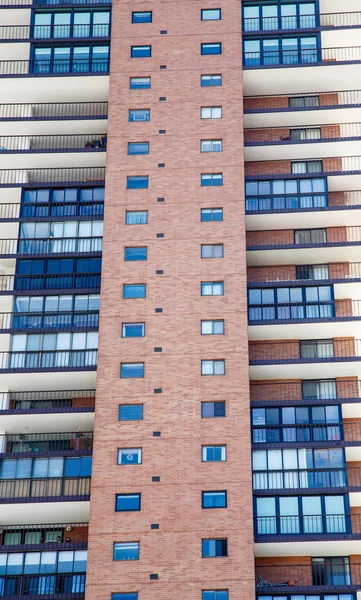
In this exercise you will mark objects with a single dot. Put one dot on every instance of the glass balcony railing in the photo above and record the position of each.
(48, 360)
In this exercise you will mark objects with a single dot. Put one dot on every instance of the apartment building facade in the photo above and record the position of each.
(180, 300)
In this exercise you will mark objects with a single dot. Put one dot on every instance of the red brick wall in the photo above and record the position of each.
(267, 350)
(173, 551)
(271, 273)
(271, 102)
(281, 389)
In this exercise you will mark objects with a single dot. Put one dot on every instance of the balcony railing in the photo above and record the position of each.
(284, 352)
(53, 536)
(71, 585)
(47, 401)
(302, 312)
(269, 136)
(302, 102)
(19, 247)
(304, 238)
(23, 33)
(70, 281)
(42, 490)
(92, 142)
(76, 67)
(335, 272)
(308, 480)
(54, 111)
(284, 24)
(324, 575)
(308, 434)
(322, 167)
(88, 320)
(47, 360)
(288, 203)
(53, 3)
(44, 177)
(307, 392)
(300, 57)
(80, 443)
(308, 527)
(46, 210)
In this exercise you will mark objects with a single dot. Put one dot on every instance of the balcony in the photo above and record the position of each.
(51, 489)
(54, 111)
(309, 481)
(75, 282)
(57, 68)
(289, 393)
(305, 352)
(288, 136)
(62, 401)
(47, 360)
(79, 443)
(14, 248)
(71, 585)
(295, 275)
(302, 102)
(44, 177)
(77, 321)
(322, 167)
(92, 142)
(307, 528)
(273, 59)
(302, 312)
(309, 435)
(51, 3)
(312, 22)
(56, 536)
(35, 33)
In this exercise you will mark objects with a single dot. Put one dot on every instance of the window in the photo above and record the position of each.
(211, 145)
(211, 14)
(214, 499)
(133, 330)
(314, 596)
(131, 412)
(129, 456)
(211, 179)
(140, 51)
(132, 370)
(142, 114)
(332, 571)
(310, 236)
(217, 595)
(300, 134)
(306, 166)
(89, 58)
(62, 202)
(125, 596)
(71, 24)
(45, 563)
(138, 148)
(135, 253)
(308, 302)
(286, 194)
(136, 217)
(281, 51)
(61, 350)
(317, 272)
(211, 112)
(214, 548)
(126, 551)
(323, 389)
(276, 16)
(142, 17)
(213, 367)
(137, 290)
(211, 250)
(211, 48)
(212, 288)
(304, 101)
(139, 182)
(139, 83)
(211, 80)
(40, 468)
(127, 502)
(211, 214)
(214, 453)
(213, 409)
(212, 327)
(310, 349)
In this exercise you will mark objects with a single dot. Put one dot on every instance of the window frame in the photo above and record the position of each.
(134, 285)
(142, 12)
(135, 367)
(135, 494)
(139, 87)
(141, 51)
(211, 84)
(216, 492)
(121, 406)
(213, 321)
(212, 404)
(137, 451)
(206, 47)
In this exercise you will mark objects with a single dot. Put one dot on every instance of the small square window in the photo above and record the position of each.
(214, 499)
(126, 551)
(211, 14)
(131, 330)
(129, 456)
(137, 290)
(211, 80)
(214, 453)
(132, 370)
(211, 179)
(213, 367)
(136, 217)
(212, 327)
(211, 250)
(209, 595)
(211, 214)
(138, 148)
(137, 182)
(127, 502)
(212, 288)
(213, 409)
(131, 412)
(140, 51)
(211, 112)
(138, 115)
(142, 17)
(135, 253)
(211, 145)
(214, 547)
(139, 83)
(215, 48)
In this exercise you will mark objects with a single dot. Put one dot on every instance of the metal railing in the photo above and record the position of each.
(302, 102)
(305, 134)
(47, 401)
(308, 168)
(52, 111)
(335, 272)
(284, 352)
(52, 3)
(342, 20)
(303, 238)
(301, 527)
(57, 67)
(17, 247)
(300, 57)
(309, 480)
(303, 312)
(45, 210)
(69, 281)
(38, 490)
(9, 33)
(26, 537)
(47, 360)
(280, 203)
(71, 585)
(44, 177)
(22, 443)
(348, 432)
(305, 392)
(49, 320)
(92, 142)
(319, 576)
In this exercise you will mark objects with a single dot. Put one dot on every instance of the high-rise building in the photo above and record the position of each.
(212, 449)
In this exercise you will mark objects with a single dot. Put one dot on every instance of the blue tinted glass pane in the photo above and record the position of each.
(211, 48)
(214, 500)
(134, 291)
(72, 467)
(127, 502)
(139, 83)
(140, 51)
(219, 409)
(131, 370)
(86, 466)
(126, 596)
(126, 551)
(211, 80)
(138, 148)
(208, 548)
(131, 412)
(139, 115)
(135, 254)
(137, 183)
(141, 17)
(133, 330)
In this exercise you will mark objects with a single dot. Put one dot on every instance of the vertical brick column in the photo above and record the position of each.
(173, 551)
